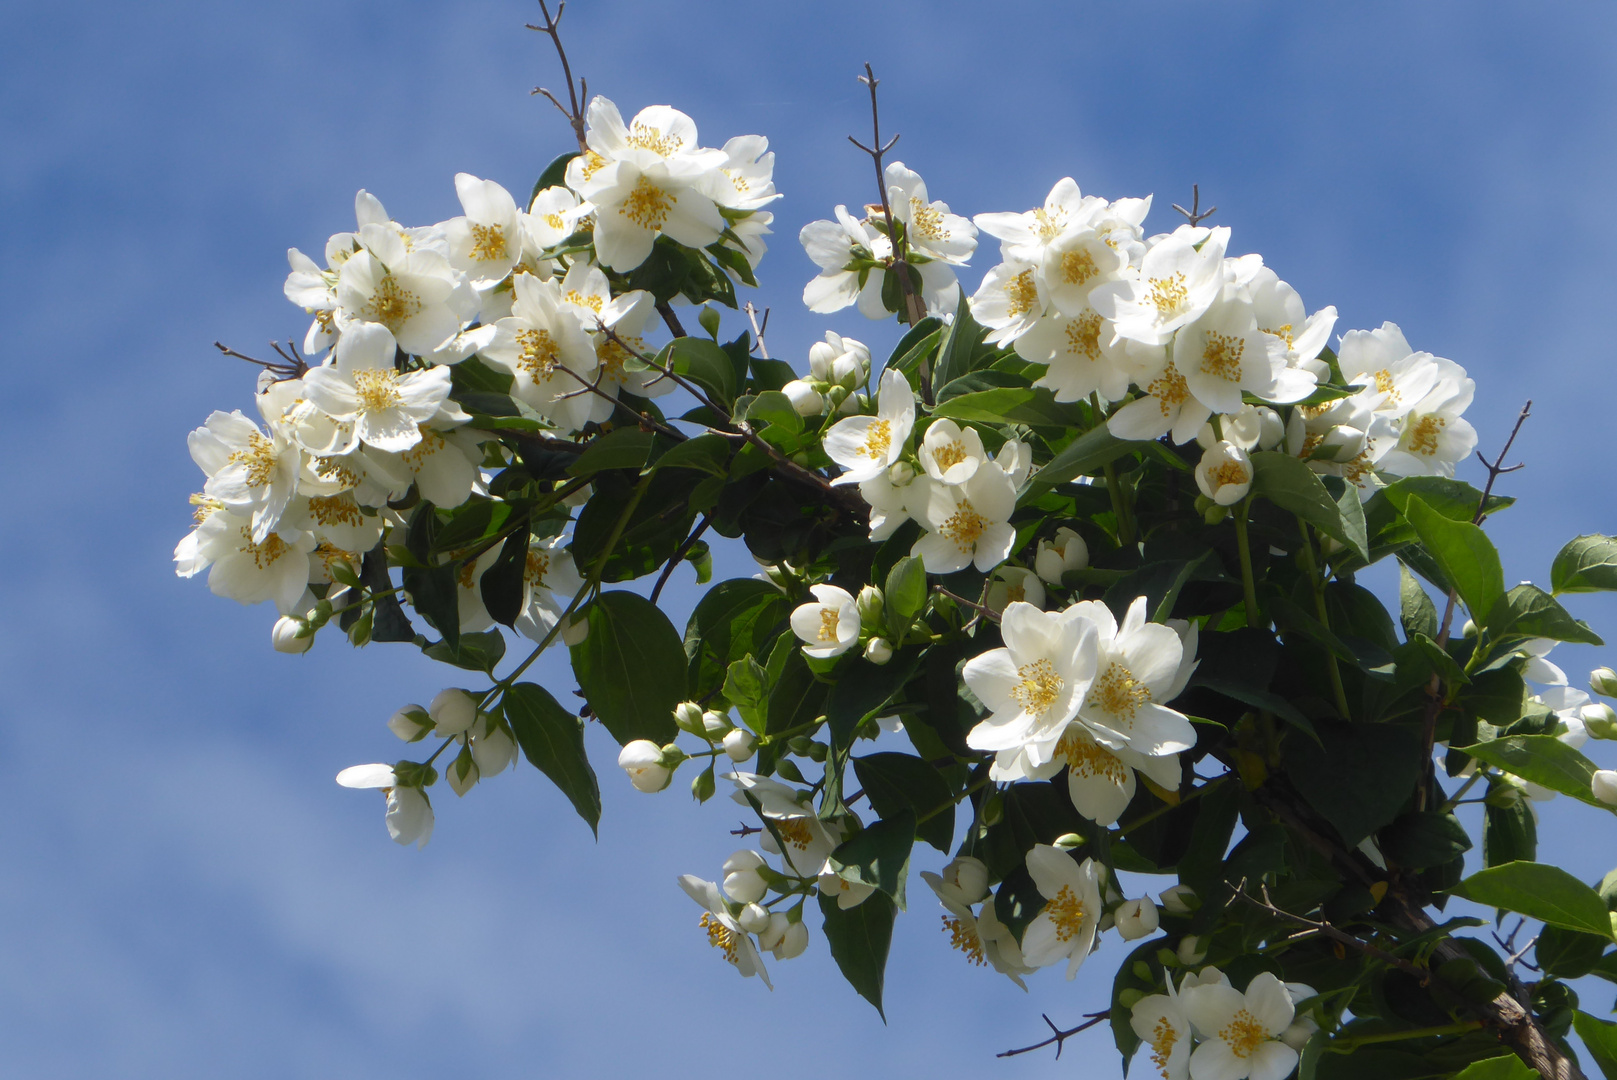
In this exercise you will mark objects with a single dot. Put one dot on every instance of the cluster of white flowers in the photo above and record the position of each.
(1206, 1029)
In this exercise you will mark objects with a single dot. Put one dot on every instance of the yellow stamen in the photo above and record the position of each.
(878, 439)
(1067, 912)
(1244, 1034)
(1163, 1040)
(1221, 356)
(488, 243)
(649, 138)
(829, 617)
(1039, 688)
(1088, 758)
(648, 205)
(1169, 388)
(540, 353)
(392, 304)
(377, 389)
(1078, 266)
(1118, 693)
(963, 936)
(1021, 294)
(1168, 294)
(964, 526)
(926, 221)
(719, 936)
(258, 459)
(1083, 336)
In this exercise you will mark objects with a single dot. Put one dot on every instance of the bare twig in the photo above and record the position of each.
(679, 554)
(589, 387)
(758, 328)
(670, 320)
(292, 366)
(1061, 1035)
(1195, 213)
(1325, 929)
(575, 114)
(981, 610)
(746, 830)
(914, 309)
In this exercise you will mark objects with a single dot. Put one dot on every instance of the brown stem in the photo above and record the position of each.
(575, 114)
(914, 310)
(679, 554)
(1061, 1035)
(1195, 214)
(670, 319)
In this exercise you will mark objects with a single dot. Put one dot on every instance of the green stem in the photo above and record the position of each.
(765, 740)
(1152, 815)
(1248, 584)
(1311, 567)
(956, 801)
(1454, 800)
(1120, 510)
(1348, 1045)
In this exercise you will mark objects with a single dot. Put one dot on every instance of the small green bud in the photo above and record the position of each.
(319, 615)
(871, 604)
(1141, 970)
(1130, 996)
(702, 784)
(709, 320)
(1167, 958)
(688, 717)
(415, 774)
(672, 756)
(1215, 514)
(784, 767)
(1603, 681)
(1069, 841)
(360, 632)
(817, 751)
(1601, 720)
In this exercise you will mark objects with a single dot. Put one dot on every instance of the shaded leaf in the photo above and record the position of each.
(631, 667)
(1528, 611)
(552, 739)
(1290, 484)
(859, 939)
(895, 783)
(1539, 891)
(879, 855)
(1544, 760)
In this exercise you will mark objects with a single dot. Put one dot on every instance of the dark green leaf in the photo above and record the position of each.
(746, 686)
(774, 409)
(705, 364)
(470, 524)
(1358, 776)
(623, 448)
(1291, 485)
(503, 583)
(389, 623)
(1586, 564)
(1600, 1038)
(879, 856)
(960, 342)
(474, 652)
(859, 939)
(1465, 555)
(734, 619)
(1528, 611)
(707, 453)
(435, 594)
(919, 342)
(1014, 405)
(552, 739)
(555, 175)
(1544, 760)
(1568, 954)
(1539, 891)
(1083, 456)
(1509, 834)
(1419, 614)
(631, 667)
(1508, 1067)
(895, 783)
(1424, 838)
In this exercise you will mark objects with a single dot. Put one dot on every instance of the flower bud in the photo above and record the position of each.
(688, 717)
(739, 744)
(1192, 949)
(575, 631)
(452, 711)
(879, 650)
(745, 887)
(1055, 557)
(770, 938)
(493, 751)
(715, 725)
(410, 723)
(642, 759)
(969, 876)
(462, 772)
(1271, 429)
(703, 785)
(870, 602)
(1604, 786)
(1179, 900)
(1603, 681)
(900, 473)
(1599, 720)
(1137, 919)
(291, 635)
(753, 919)
(804, 398)
(1225, 473)
(792, 943)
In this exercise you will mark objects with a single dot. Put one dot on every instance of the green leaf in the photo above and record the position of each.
(1014, 405)
(1568, 954)
(1600, 1038)
(470, 524)
(774, 408)
(895, 783)
(1509, 1067)
(746, 686)
(623, 448)
(735, 618)
(552, 739)
(631, 667)
(1465, 555)
(1509, 834)
(1291, 485)
(1528, 611)
(503, 583)
(919, 342)
(389, 622)
(707, 453)
(1544, 760)
(1358, 776)
(859, 939)
(1424, 838)
(435, 595)
(879, 856)
(555, 175)
(474, 652)
(704, 363)
(1083, 456)
(1418, 614)
(1539, 891)
(1586, 564)
(959, 344)
(905, 594)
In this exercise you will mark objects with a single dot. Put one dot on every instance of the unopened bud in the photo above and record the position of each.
(462, 772)
(688, 717)
(753, 919)
(900, 473)
(452, 711)
(792, 943)
(642, 759)
(1067, 551)
(1604, 786)
(879, 650)
(742, 882)
(1600, 720)
(1179, 900)
(1271, 429)
(1137, 919)
(493, 751)
(1603, 681)
(969, 876)
(702, 785)
(1192, 949)
(804, 398)
(291, 635)
(410, 723)
(1069, 841)
(739, 744)
(318, 615)
(871, 604)
(836, 395)
(770, 937)
(715, 725)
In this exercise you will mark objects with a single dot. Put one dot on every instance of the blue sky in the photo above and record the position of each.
(186, 893)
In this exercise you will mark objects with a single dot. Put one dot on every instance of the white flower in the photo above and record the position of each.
(547, 352)
(950, 453)
(1055, 557)
(1161, 1024)
(1138, 666)
(1084, 356)
(1302, 1026)
(1008, 301)
(829, 626)
(1244, 428)
(642, 759)
(724, 932)
(387, 407)
(964, 880)
(929, 227)
(452, 711)
(493, 750)
(1240, 1030)
(982, 938)
(889, 494)
(742, 882)
(1015, 457)
(1075, 264)
(550, 580)
(1280, 312)
(626, 315)
(969, 523)
(840, 360)
(486, 242)
(1027, 236)
(1603, 785)
(746, 180)
(243, 569)
(740, 744)
(1222, 353)
(289, 636)
(1036, 683)
(1166, 407)
(248, 473)
(853, 259)
(792, 941)
(1064, 929)
(808, 840)
(1434, 437)
(865, 446)
(1137, 919)
(1176, 282)
(804, 398)
(1393, 375)
(1009, 584)
(409, 815)
(848, 894)
(1178, 900)
(410, 291)
(1224, 473)
(552, 217)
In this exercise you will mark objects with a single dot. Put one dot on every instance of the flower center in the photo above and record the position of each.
(538, 565)
(949, 455)
(1281, 332)
(266, 553)
(1039, 688)
(430, 443)
(1229, 473)
(926, 220)
(794, 831)
(1244, 1034)
(377, 389)
(1386, 386)
(719, 936)
(1067, 912)
(257, 459)
(878, 440)
(829, 617)
(333, 471)
(964, 526)
(488, 243)
(1049, 225)
(1168, 294)
(1221, 356)
(593, 163)
(1163, 1039)
(205, 506)
(1022, 294)
(1118, 693)
(1078, 266)
(645, 137)
(573, 296)
(392, 304)
(1423, 434)
(648, 205)
(1169, 389)
(963, 936)
(1083, 336)
(539, 353)
(1089, 758)
(335, 510)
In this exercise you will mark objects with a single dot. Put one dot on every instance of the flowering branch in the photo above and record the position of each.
(1061, 1035)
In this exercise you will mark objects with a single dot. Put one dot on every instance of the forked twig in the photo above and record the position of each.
(1195, 214)
(1061, 1035)
(575, 114)
(914, 310)
(292, 365)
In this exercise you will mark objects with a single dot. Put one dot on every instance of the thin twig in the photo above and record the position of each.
(292, 367)
(758, 328)
(679, 554)
(1195, 212)
(594, 388)
(746, 830)
(980, 609)
(1061, 1035)
(914, 310)
(1325, 929)
(575, 115)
